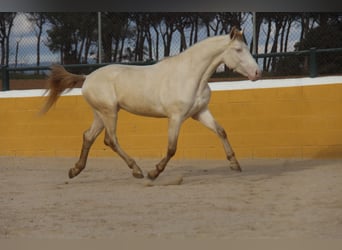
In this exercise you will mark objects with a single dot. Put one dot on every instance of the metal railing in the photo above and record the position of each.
(312, 54)
(5, 70)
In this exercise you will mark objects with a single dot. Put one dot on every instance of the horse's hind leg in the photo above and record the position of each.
(89, 137)
(206, 118)
(110, 121)
(173, 132)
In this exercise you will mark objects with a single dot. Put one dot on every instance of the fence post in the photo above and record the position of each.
(99, 36)
(5, 77)
(313, 62)
(254, 49)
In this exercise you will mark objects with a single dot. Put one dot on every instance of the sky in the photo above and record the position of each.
(23, 31)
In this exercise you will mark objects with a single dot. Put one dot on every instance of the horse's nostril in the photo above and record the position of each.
(258, 73)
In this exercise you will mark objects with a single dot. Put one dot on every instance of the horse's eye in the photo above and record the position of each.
(238, 50)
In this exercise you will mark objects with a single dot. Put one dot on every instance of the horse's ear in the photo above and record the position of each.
(233, 32)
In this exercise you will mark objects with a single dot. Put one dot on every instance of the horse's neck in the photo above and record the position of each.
(205, 56)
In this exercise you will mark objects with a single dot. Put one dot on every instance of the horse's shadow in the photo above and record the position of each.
(250, 168)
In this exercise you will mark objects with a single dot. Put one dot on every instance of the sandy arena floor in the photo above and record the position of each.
(269, 199)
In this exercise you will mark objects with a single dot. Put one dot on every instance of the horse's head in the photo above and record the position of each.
(238, 58)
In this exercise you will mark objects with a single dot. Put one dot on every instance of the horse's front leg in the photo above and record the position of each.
(206, 118)
(174, 127)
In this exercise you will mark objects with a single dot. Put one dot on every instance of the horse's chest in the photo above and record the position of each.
(201, 101)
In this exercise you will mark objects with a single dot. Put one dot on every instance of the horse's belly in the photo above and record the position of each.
(140, 99)
(144, 109)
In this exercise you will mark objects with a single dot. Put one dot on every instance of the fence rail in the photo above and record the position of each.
(5, 70)
(312, 53)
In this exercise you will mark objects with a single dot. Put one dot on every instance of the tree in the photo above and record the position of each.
(266, 20)
(143, 33)
(182, 22)
(16, 52)
(278, 20)
(155, 20)
(6, 24)
(71, 35)
(328, 35)
(167, 28)
(116, 30)
(210, 23)
(38, 19)
(230, 19)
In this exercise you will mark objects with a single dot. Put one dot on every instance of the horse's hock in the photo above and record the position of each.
(297, 122)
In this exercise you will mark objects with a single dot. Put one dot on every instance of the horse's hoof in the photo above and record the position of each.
(138, 175)
(235, 166)
(152, 175)
(73, 172)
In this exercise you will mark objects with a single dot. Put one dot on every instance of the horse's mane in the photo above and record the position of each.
(235, 34)
(192, 47)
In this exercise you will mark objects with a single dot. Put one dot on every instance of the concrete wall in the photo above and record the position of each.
(299, 122)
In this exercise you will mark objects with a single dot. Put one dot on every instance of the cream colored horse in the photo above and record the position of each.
(175, 88)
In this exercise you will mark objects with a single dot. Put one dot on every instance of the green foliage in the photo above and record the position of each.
(322, 37)
(327, 36)
(71, 34)
(290, 66)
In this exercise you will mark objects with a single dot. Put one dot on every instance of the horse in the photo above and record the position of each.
(175, 88)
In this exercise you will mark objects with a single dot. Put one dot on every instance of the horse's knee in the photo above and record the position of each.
(221, 132)
(171, 151)
(110, 143)
(87, 139)
(106, 142)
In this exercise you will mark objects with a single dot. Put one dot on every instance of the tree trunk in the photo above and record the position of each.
(79, 53)
(269, 28)
(38, 44)
(107, 46)
(157, 43)
(305, 26)
(287, 34)
(16, 54)
(275, 46)
(150, 45)
(282, 35)
(167, 37)
(86, 49)
(3, 52)
(182, 45)
(121, 48)
(116, 49)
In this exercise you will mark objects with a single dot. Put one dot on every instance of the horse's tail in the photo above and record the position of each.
(59, 80)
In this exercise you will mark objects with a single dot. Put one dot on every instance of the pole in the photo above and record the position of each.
(99, 33)
(5, 78)
(313, 62)
(254, 49)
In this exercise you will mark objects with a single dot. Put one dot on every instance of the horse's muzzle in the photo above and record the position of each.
(255, 76)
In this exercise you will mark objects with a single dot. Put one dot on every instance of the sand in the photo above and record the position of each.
(270, 199)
